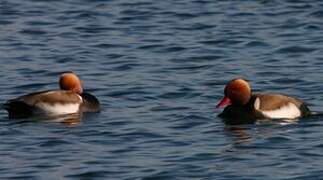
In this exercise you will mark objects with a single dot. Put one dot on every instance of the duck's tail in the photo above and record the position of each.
(5, 105)
(17, 108)
(316, 113)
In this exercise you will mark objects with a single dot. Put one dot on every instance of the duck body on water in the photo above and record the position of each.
(68, 100)
(243, 107)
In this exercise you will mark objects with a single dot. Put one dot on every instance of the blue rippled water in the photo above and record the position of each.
(159, 68)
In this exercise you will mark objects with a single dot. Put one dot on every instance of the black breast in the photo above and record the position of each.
(90, 103)
(234, 115)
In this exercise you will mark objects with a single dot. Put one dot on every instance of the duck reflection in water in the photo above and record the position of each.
(240, 134)
(69, 119)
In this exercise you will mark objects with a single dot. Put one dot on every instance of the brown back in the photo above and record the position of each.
(52, 97)
(275, 101)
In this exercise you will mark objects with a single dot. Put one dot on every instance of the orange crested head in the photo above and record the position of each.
(236, 92)
(71, 82)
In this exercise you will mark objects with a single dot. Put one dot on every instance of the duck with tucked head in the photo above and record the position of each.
(68, 100)
(244, 107)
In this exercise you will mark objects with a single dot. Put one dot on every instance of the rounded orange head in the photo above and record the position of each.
(70, 81)
(236, 92)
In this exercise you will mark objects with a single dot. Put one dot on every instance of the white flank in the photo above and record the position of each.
(290, 111)
(59, 108)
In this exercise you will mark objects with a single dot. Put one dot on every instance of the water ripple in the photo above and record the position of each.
(159, 68)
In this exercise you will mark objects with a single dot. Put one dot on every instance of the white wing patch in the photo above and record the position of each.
(290, 111)
(59, 108)
(257, 103)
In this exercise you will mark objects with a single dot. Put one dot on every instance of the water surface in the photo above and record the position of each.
(159, 68)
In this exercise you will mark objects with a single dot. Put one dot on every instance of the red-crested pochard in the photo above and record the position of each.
(70, 99)
(243, 107)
